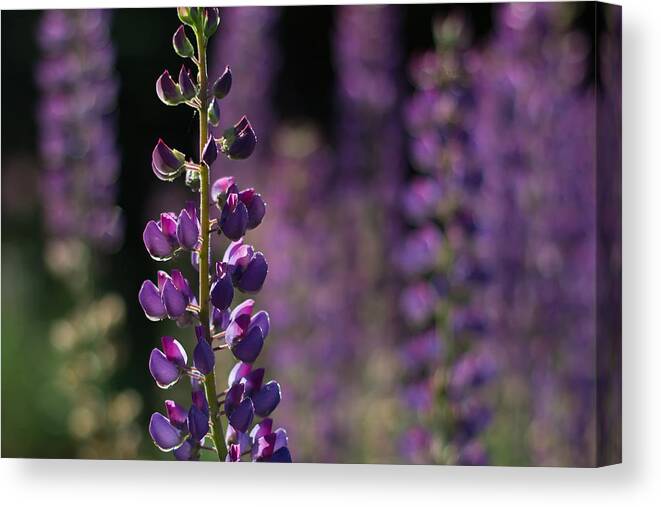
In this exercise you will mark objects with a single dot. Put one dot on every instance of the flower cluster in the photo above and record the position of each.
(444, 366)
(79, 90)
(217, 326)
(534, 130)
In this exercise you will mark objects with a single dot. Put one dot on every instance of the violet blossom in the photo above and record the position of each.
(217, 328)
(76, 128)
(439, 260)
(534, 127)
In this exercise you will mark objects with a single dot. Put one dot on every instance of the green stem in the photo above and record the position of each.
(210, 379)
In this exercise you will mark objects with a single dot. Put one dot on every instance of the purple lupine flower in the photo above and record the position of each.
(170, 298)
(186, 85)
(177, 415)
(255, 205)
(536, 223)
(182, 44)
(214, 115)
(166, 163)
(223, 84)
(167, 90)
(165, 372)
(442, 269)
(268, 445)
(151, 302)
(240, 141)
(188, 227)
(203, 357)
(160, 238)
(240, 210)
(210, 152)
(234, 218)
(166, 365)
(76, 128)
(198, 423)
(164, 238)
(163, 433)
(244, 339)
(222, 290)
(266, 398)
(247, 267)
(184, 432)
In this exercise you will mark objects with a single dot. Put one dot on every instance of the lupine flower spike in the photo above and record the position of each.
(247, 403)
(440, 303)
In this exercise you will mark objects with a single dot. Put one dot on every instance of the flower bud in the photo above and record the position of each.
(166, 163)
(165, 436)
(214, 113)
(223, 84)
(177, 415)
(222, 292)
(186, 85)
(240, 141)
(210, 152)
(185, 15)
(211, 21)
(188, 229)
(198, 423)
(182, 46)
(198, 397)
(167, 90)
(203, 357)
